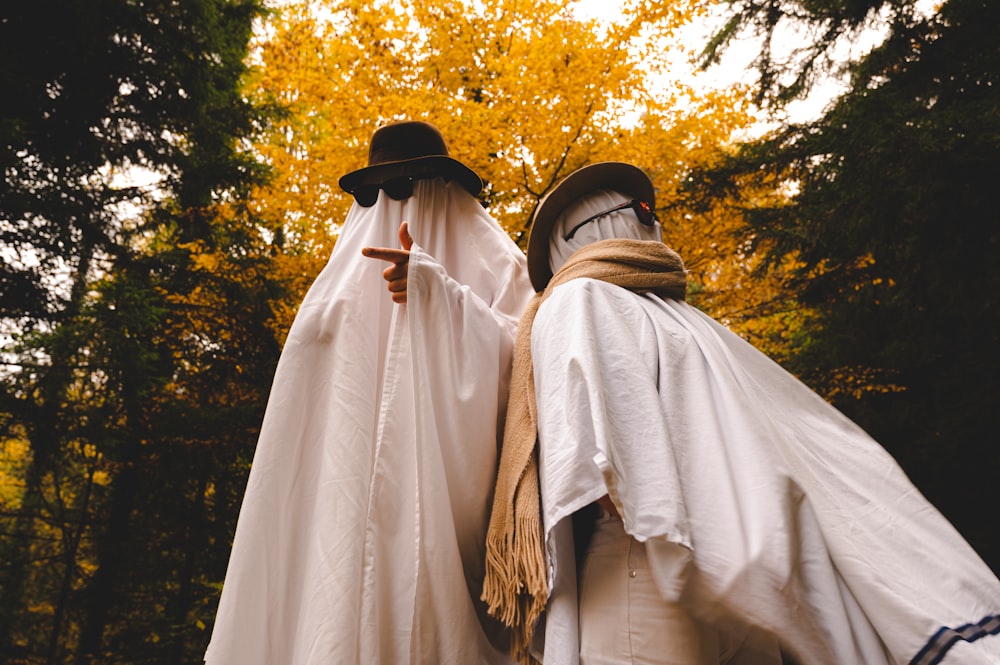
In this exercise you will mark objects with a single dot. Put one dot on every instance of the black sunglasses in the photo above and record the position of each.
(397, 189)
(643, 211)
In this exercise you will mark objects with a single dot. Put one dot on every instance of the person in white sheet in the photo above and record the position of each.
(742, 519)
(360, 537)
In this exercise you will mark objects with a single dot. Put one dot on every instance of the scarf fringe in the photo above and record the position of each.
(516, 587)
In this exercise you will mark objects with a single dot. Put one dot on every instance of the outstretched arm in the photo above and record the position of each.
(397, 273)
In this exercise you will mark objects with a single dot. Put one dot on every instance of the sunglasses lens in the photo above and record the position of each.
(365, 195)
(644, 212)
(398, 188)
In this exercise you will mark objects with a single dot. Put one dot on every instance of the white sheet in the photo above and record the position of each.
(362, 526)
(795, 521)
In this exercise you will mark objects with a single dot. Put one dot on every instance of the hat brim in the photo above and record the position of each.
(618, 176)
(451, 169)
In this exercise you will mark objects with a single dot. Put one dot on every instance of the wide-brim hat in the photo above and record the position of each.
(410, 148)
(618, 176)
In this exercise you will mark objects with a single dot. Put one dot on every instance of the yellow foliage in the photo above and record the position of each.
(524, 93)
(856, 381)
(15, 454)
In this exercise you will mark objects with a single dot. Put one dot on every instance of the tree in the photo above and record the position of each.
(525, 95)
(96, 96)
(896, 236)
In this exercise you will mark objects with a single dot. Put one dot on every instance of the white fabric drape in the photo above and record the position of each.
(619, 224)
(360, 538)
(794, 521)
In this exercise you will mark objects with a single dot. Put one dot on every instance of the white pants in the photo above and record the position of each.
(622, 617)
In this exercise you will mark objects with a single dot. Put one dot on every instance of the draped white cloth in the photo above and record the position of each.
(361, 534)
(760, 505)
(619, 224)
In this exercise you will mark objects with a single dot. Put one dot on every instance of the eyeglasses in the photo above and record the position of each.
(643, 211)
(397, 189)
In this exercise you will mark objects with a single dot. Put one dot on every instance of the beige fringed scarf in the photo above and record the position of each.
(515, 587)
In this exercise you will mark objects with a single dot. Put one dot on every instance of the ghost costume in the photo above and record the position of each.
(360, 537)
(759, 507)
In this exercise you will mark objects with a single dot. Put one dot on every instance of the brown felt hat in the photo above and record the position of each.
(617, 176)
(411, 145)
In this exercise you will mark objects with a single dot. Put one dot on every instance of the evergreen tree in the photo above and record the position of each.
(895, 228)
(111, 312)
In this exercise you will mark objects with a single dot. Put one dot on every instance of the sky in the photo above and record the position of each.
(734, 66)
(733, 69)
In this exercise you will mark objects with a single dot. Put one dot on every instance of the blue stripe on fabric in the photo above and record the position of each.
(936, 649)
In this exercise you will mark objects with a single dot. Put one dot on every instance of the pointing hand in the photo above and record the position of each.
(396, 273)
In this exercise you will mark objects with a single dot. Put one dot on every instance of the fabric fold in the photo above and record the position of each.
(799, 525)
(360, 534)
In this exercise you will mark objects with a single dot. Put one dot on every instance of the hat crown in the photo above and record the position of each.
(406, 140)
(410, 148)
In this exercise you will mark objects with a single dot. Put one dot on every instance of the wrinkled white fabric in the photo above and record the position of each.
(619, 224)
(360, 538)
(794, 520)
